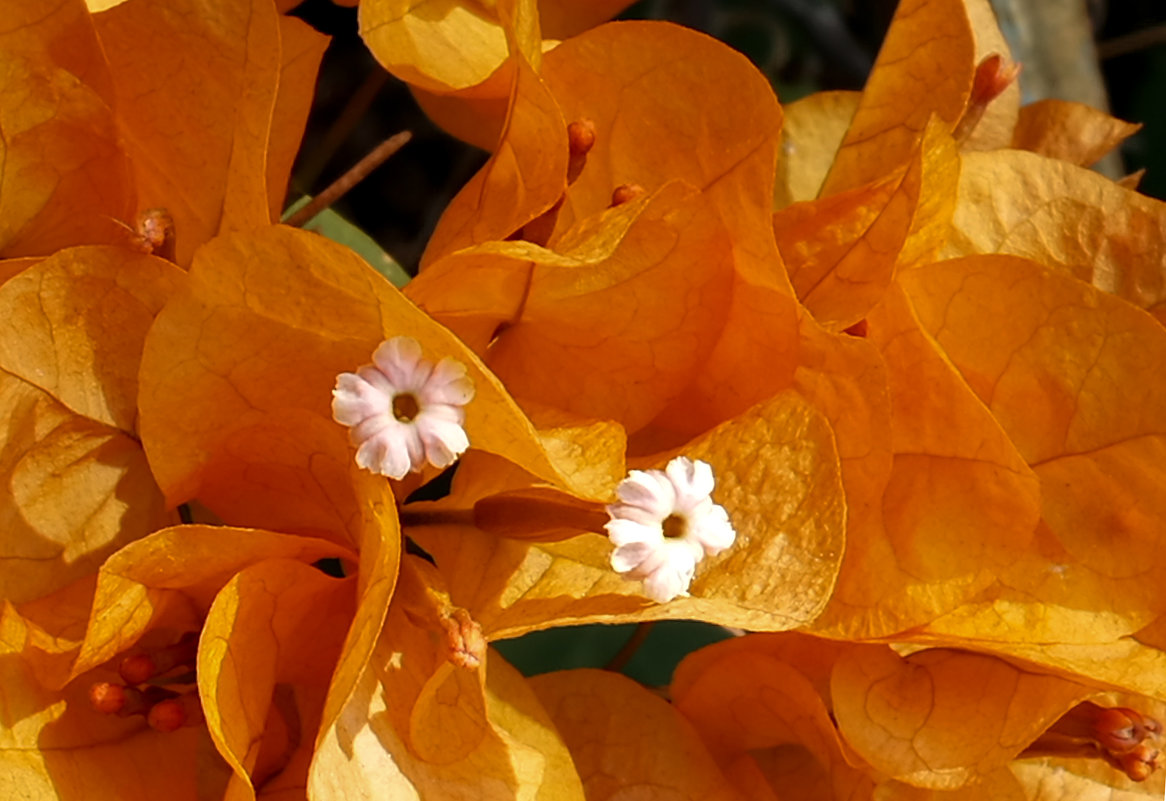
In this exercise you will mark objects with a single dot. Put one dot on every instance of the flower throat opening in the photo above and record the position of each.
(675, 526)
(405, 407)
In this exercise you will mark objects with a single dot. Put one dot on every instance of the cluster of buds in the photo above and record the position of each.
(148, 678)
(1124, 738)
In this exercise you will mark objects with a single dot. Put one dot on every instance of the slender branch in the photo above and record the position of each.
(353, 111)
(625, 654)
(345, 182)
(1132, 42)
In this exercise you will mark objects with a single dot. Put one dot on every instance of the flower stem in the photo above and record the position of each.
(436, 517)
(625, 654)
(345, 182)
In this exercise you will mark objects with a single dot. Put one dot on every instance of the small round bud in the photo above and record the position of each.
(625, 193)
(137, 669)
(107, 698)
(172, 714)
(581, 137)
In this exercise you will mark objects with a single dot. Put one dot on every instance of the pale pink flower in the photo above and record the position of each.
(404, 412)
(664, 524)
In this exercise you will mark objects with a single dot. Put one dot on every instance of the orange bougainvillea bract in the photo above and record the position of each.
(864, 384)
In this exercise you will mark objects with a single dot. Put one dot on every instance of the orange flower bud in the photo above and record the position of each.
(173, 714)
(625, 193)
(992, 77)
(140, 668)
(581, 137)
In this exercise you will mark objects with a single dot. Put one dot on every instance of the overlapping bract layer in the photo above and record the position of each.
(914, 361)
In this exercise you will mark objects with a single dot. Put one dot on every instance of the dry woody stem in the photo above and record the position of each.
(341, 186)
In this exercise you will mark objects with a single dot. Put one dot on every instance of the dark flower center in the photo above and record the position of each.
(675, 526)
(405, 407)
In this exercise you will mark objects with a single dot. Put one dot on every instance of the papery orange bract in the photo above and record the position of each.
(649, 121)
(925, 67)
(420, 726)
(65, 169)
(524, 177)
(623, 738)
(841, 250)
(776, 475)
(1062, 367)
(155, 586)
(448, 45)
(251, 350)
(1047, 780)
(137, 584)
(846, 720)
(1064, 217)
(763, 709)
(943, 719)
(74, 325)
(1070, 132)
(52, 746)
(811, 132)
(72, 333)
(214, 180)
(955, 510)
(268, 648)
(617, 304)
(135, 128)
(560, 19)
(459, 57)
(659, 119)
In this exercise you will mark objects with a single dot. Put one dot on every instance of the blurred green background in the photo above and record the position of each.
(1115, 49)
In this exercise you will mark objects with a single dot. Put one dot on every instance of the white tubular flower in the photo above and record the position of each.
(404, 411)
(664, 524)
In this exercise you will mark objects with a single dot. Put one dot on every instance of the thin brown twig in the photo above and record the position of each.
(625, 654)
(352, 113)
(1131, 42)
(345, 182)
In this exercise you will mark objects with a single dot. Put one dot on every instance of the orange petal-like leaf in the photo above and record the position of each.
(788, 517)
(74, 325)
(943, 719)
(1064, 217)
(54, 745)
(301, 48)
(75, 491)
(210, 175)
(250, 351)
(420, 726)
(628, 338)
(66, 177)
(1062, 366)
(1068, 131)
(811, 133)
(138, 582)
(956, 509)
(266, 653)
(924, 68)
(524, 177)
(625, 739)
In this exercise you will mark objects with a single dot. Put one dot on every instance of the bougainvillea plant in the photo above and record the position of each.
(869, 381)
